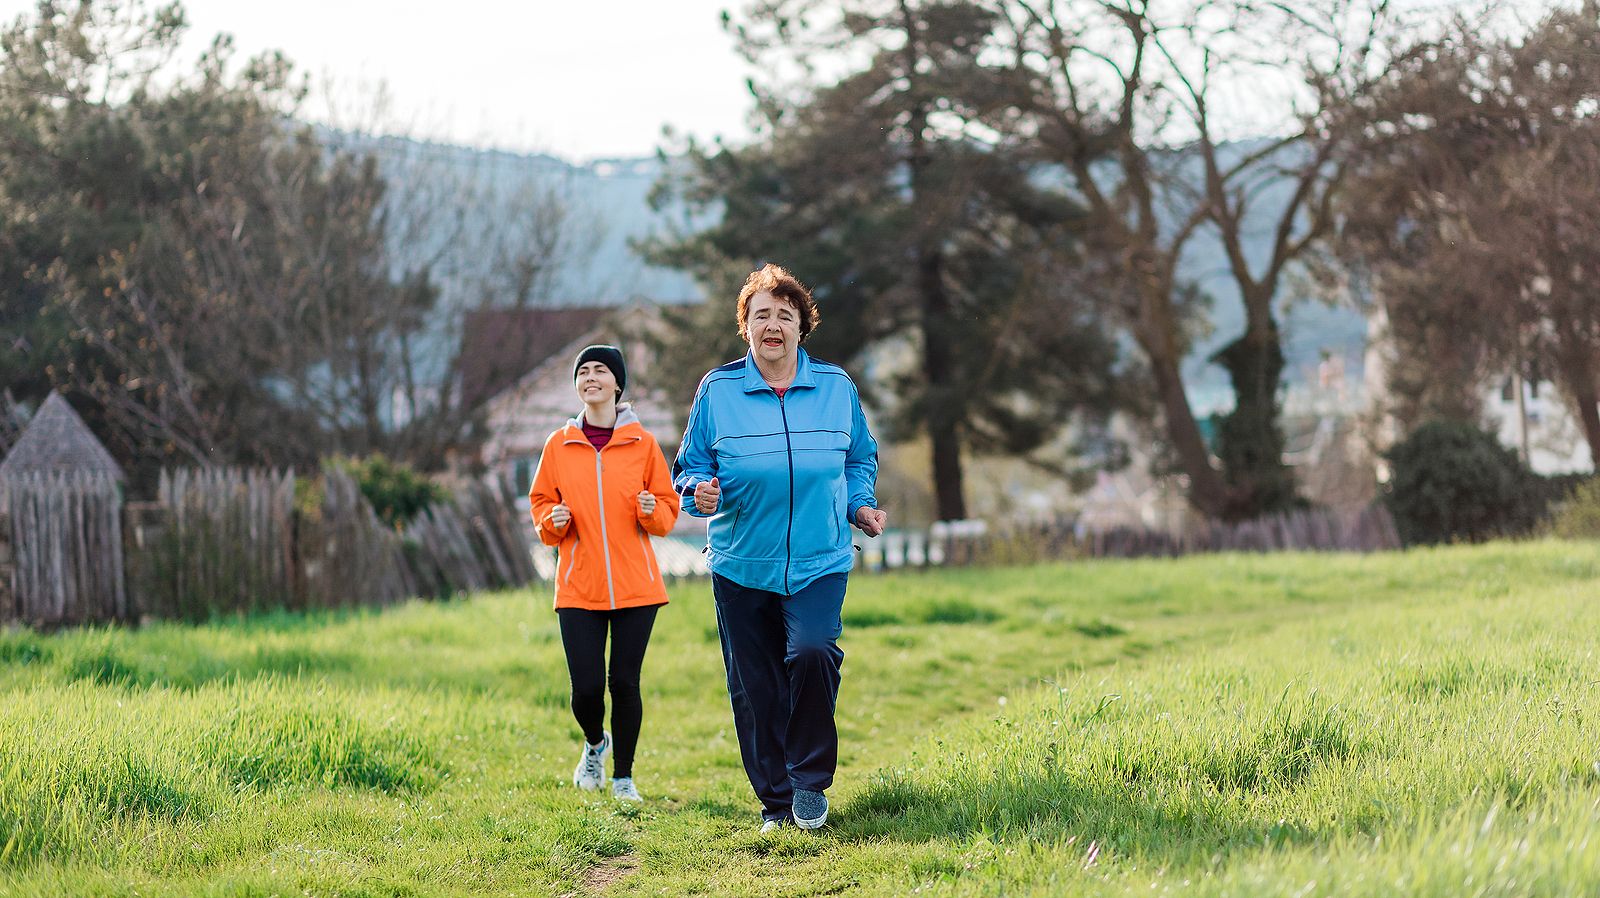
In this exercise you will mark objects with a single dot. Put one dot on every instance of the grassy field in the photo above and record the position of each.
(1423, 723)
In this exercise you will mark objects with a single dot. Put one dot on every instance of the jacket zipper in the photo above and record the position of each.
(788, 536)
(605, 545)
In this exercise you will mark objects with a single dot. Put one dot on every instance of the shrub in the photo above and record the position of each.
(309, 494)
(1452, 481)
(1579, 516)
(397, 492)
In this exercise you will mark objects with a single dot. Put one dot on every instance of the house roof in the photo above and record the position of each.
(57, 440)
(624, 326)
(521, 416)
(500, 346)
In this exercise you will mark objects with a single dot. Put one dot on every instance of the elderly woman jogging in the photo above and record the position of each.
(601, 492)
(777, 454)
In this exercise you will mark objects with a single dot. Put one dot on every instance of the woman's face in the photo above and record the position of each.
(772, 326)
(596, 383)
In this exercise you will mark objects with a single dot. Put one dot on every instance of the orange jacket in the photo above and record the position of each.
(605, 559)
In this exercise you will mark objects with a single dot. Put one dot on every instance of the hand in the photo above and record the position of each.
(871, 520)
(560, 517)
(707, 496)
(647, 501)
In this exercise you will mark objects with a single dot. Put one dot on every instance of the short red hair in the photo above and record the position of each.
(784, 286)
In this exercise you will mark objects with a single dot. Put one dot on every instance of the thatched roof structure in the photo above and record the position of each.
(57, 441)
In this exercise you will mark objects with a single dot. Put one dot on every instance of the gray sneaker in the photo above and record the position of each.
(772, 826)
(590, 773)
(810, 809)
(622, 789)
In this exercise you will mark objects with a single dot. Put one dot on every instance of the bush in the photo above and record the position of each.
(397, 492)
(1579, 516)
(308, 497)
(1452, 481)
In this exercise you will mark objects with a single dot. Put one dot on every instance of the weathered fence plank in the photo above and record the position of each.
(64, 530)
(214, 543)
(234, 541)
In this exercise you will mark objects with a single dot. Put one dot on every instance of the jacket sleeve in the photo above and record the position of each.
(545, 495)
(695, 463)
(660, 521)
(860, 461)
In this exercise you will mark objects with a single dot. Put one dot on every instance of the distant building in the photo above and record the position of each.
(500, 346)
(517, 367)
(521, 408)
(1542, 428)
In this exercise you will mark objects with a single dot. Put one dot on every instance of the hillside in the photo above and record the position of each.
(609, 208)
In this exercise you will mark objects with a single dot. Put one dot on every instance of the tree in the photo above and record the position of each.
(908, 227)
(222, 277)
(64, 166)
(1130, 100)
(1473, 206)
(224, 284)
(488, 231)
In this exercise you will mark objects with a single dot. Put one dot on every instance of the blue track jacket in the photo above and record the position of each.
(793, 471)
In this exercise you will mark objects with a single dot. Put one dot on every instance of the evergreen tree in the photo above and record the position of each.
(913, 229)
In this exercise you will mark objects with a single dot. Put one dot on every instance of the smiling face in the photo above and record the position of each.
(596, 384)
(772, 326)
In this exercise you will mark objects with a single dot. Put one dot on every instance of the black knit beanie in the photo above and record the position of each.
(610, 356)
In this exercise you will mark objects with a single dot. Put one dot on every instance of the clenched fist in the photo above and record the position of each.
(871, 520)
(560, 517)
(707, 496)
(647, 501)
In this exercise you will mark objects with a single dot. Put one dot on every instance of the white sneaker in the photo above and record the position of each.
(622, 789)
(772, 826)
(591, 771)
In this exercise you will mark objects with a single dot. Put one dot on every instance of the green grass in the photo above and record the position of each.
(1232, 725)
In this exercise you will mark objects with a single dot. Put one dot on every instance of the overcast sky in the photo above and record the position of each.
(581, 80)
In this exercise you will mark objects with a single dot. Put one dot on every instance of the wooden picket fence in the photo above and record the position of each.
(348, 557)
(218, 540)
(233, 541)
(63, 562)
(475, 541)
(227, 541)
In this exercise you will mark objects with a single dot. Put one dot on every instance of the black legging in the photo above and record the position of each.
(583, 635)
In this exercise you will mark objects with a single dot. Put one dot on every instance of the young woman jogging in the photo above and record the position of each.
(602, 490)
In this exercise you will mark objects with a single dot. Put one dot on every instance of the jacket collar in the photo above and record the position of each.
(627, 426)
(754, 383)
